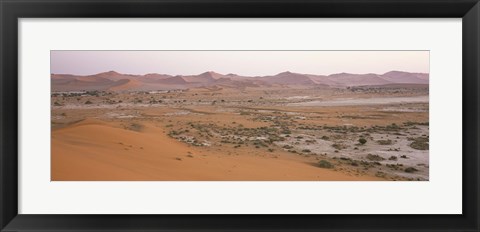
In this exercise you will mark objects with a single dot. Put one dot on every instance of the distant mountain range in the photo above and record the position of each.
(114, 81)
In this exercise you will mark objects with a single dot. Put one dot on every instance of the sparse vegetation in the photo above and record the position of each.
(235, 122)
(385, 142)
(419, 143)
(362, 141)
(410, 170)
(374, 157)
(325, 164)
(392, 158)
(339, 146)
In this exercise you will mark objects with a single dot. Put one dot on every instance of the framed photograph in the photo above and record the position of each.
(239, 115)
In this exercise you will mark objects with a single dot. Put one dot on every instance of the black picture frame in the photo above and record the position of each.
(12, 10)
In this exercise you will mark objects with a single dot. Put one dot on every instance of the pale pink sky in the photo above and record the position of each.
(248, 63)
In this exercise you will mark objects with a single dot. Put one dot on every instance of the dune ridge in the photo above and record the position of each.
(154, 81)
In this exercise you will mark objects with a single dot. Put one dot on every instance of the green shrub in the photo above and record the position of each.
(362, 141)
(325, 164)
(374, 157)
(385, 142)
(339, 146)
(410, 170)
(420, 143)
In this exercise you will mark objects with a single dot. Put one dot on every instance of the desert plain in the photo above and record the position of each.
(215, 127)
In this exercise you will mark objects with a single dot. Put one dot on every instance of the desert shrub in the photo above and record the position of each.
(325, 137)
(385, 142)
(306, 150)
(392, 127)
(362, 141)
(420, 143)
(325, 164)
(287, 147)
(259, 143)
(270, 150)
(394, 166)
(173, 133)
(374, 157)
(380, 174)
(339, 146)
(403, 157)
(410, 170)
(392, 158)
(88, 102)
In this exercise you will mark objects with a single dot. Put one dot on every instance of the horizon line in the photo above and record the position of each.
(173, 75)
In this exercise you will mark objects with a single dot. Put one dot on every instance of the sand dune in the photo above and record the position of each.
(98, 150)
(125, 84)
(153, 81)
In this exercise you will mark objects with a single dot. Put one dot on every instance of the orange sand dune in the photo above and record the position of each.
(96, 150)
(125, 85)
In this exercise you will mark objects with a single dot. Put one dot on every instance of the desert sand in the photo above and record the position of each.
(279, 128)
(95, 150)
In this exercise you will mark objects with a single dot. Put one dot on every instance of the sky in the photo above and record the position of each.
(246, 63)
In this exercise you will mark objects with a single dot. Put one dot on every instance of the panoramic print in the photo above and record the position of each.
(239, 115)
